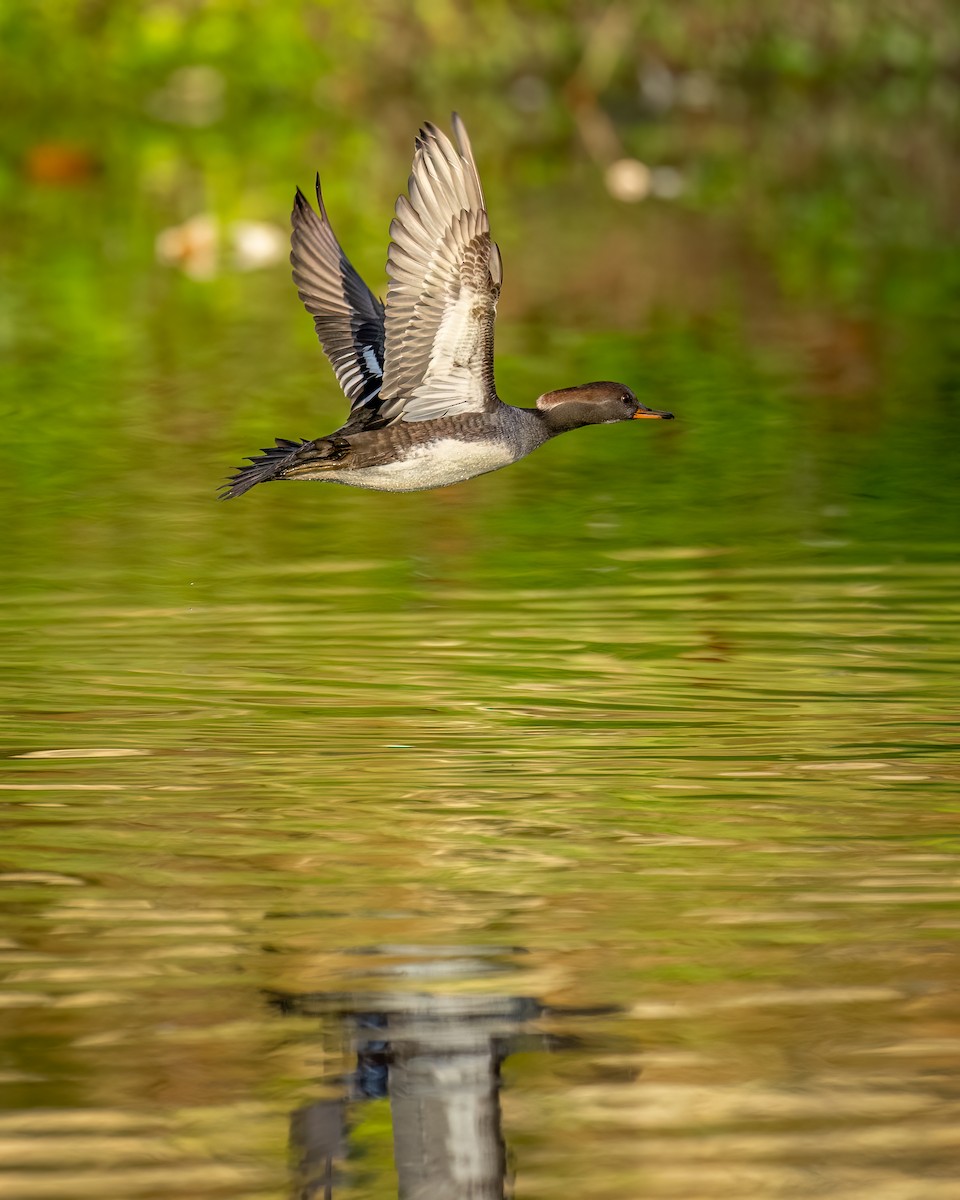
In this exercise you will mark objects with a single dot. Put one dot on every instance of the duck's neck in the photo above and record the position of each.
(561, 418)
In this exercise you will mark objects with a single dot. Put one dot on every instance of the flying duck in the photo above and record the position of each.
(424, 409)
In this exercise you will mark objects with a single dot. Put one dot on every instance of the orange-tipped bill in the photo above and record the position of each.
(652, 414)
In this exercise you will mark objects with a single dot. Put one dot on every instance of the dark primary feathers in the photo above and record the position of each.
(347, 315)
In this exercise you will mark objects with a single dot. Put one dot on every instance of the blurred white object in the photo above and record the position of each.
(196, 246)
(663, 89)
(257, 244)
(192, 246)
(628, 179)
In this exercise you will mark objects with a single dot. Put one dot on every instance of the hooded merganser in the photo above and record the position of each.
(424, 410)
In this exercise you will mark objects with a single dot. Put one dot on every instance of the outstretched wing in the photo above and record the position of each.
(348, 317)
(445, 276)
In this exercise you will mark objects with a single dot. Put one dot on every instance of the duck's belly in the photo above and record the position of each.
(433, 465)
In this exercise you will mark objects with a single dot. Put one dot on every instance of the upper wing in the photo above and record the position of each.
(445, 277)
(348, 317)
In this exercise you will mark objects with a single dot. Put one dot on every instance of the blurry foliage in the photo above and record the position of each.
(823, 101)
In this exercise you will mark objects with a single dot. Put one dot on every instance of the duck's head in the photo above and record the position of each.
(593, 404)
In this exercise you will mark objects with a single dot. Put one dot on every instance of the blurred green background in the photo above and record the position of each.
(746, 210)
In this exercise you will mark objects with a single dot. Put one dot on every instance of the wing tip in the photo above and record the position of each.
(320, 203)
(460, 133)
(302, 206)
(302, 209)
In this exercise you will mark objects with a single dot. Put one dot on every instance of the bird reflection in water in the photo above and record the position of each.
(437, 1057)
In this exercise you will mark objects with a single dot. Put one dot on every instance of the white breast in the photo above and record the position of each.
(432, 465)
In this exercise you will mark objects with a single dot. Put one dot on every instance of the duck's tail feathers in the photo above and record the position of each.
(268, 464)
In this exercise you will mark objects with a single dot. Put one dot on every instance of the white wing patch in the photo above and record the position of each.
(373, 366)
(452, 378)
